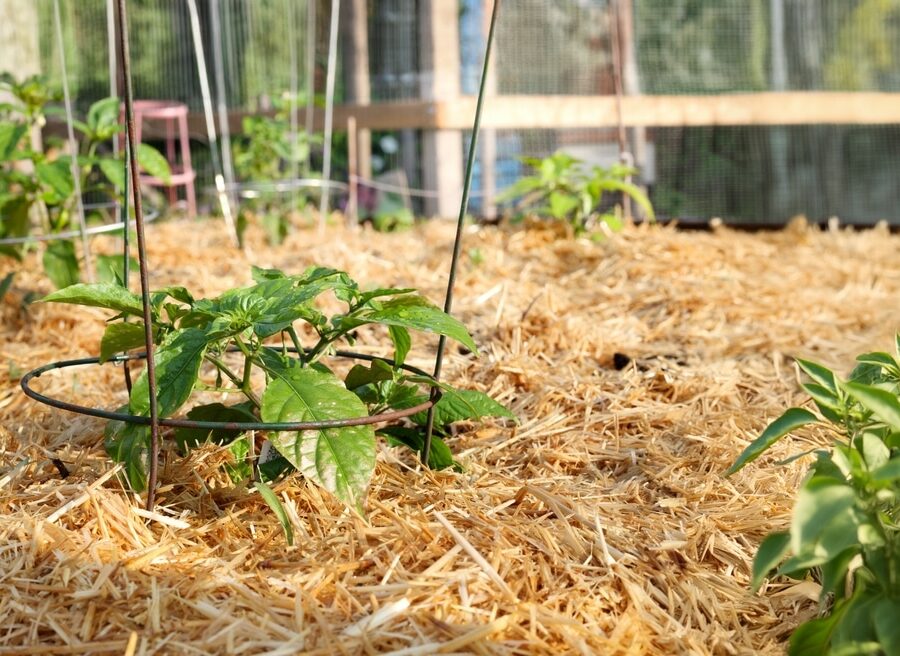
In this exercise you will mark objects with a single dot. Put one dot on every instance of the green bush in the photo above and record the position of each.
(562, 188)
(844, 530)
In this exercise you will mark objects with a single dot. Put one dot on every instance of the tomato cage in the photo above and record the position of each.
(152, 417)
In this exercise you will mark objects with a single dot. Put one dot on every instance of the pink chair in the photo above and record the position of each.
(174, 115)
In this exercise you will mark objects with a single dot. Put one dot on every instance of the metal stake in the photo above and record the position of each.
(142, 252)
(460, 223)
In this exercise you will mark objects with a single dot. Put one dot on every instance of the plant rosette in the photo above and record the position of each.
(845, 527)
(279, 379)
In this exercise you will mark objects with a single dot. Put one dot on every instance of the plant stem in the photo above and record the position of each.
(248, 367)
(292, 333)
(233, 377)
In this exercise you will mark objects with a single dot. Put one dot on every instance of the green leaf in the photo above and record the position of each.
(822, 375)
(57, 176)
(824, 522)
(261, 275)
(102, 295)
(61, 263)
(10, 136)
(464, 405)
(888, 473)
(189, 438)
(130, 445)
(417, 313)
(120, 337)
(562, 204)
(791, 420)
(886, 617)
(239, 468)
(771, 552)
(361, 375)
(114, 171)
(402, 343)
(103, 119)
(275, 504)
(15, 217)
(6, 283)
(873, 449)
(883, 360)
(834, 573)
(813, 638)
(153, 162)
(632, 190)
(339, 459)
(826, 401)
(440, 456)
(867, 374)
(111, 268)
(883, 404)
(178, 361)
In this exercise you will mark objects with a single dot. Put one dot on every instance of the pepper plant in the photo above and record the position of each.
(269, 151)
(563, 188)
(36, 185)
(197, 339)
(845, 527)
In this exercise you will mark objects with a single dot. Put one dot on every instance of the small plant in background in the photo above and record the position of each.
(37, 187)
(298, 386)
(268, 152)
(845, 528)
(385, 210)
(563, 188)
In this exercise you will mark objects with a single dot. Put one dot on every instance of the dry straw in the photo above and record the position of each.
(600, 525)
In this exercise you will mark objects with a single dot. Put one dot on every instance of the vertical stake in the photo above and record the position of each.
(131, 146)
(310, 73)
(329, 110)
(457, 242)
(625, 156)
(353, 172)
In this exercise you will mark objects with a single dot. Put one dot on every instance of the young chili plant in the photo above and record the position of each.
(845, 527)
(42, 192)
(269, 151)
(564, 189)
(201, 336)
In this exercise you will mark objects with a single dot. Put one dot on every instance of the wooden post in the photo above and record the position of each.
(631, 82)
(357, 86)
(489, 137)
(442, 150)
(21, 51)
(353, 172)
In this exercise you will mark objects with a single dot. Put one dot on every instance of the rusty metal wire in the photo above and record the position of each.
(132, 142)
(380, 418)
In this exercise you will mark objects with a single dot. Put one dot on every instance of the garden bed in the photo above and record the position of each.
(599, 525)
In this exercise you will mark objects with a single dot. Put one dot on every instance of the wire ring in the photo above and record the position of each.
(149, 217)
(250, 190)
(219, 425)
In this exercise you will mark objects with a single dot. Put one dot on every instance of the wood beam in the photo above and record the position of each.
(565, 112)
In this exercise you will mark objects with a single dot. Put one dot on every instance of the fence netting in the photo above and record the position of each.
(743, 174)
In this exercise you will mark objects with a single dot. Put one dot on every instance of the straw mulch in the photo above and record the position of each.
(601, 524)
